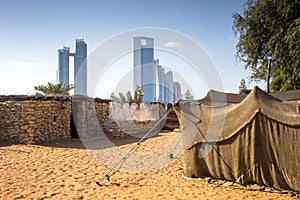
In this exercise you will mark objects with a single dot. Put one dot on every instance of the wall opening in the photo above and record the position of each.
(73, 130)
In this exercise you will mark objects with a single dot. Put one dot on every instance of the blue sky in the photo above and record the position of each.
(32, 31)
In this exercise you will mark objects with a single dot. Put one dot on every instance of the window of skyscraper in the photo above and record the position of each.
(143, 42)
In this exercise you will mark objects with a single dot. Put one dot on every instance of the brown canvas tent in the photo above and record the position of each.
(230, 98)
(255, 141)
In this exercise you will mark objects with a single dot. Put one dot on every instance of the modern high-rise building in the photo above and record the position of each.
(177, 92)
(80, 66)
(161, 81)
(63, 65)
(151, 76)
(169, 86)
(144, 67)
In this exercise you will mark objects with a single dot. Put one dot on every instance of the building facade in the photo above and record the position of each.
(169, 87)
(63, 65)
(150, 75)
(144, 67)
(177, 92)
(80, 67)
(161, 81)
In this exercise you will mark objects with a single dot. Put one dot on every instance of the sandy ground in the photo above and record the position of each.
(66, 170)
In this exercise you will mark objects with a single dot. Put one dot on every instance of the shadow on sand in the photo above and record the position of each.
(5, 144)
(95, 143)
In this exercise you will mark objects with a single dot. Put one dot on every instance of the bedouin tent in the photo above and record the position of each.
(254, 141)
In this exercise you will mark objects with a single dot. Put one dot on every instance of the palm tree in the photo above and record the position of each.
(128, 98)
(55, 89)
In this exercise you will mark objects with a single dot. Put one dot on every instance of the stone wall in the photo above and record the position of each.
(102, 108)
(91, 115)
(34, 119)
(135, 128)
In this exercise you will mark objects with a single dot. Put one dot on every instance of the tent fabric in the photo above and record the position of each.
(230, 98)
(255, 141)
(292, 95)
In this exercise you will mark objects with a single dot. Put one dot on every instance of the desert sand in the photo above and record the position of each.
(65, 169)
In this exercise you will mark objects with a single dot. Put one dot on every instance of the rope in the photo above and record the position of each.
(217, 151)
(214, 148)
(180, 139)
(119, 165)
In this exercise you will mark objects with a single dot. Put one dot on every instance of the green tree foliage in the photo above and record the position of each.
(114, 98)
(242, 86)
(123, 98)
(128, 98)
(270, 29)
(138, 95)
(54, 89)
(188, 95)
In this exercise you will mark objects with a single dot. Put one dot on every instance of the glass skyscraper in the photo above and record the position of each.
(144, 67)
(161, 81)
(151, 76)
(63, 65)
(80, 66)
(169, 86)
(177, 92)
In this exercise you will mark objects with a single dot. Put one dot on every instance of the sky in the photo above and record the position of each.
(31, 31)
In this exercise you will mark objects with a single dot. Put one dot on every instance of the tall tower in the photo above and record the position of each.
(177, 92)
(161, 80)
(169, 87)
(63, 65)
(80, 67)
(144, 67)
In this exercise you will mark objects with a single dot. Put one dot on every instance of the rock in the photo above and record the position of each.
(25, 127)
(30, 130)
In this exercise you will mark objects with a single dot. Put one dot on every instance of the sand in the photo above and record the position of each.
(66, 170)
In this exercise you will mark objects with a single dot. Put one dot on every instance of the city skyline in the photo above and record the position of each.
(157, 85)
(161, 84)
(31, 32)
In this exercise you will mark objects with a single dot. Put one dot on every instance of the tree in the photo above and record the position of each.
(270, 30)
(116, 99)
(188, 95)
(128, 98)
(242, 86)
(138, 95)
(54, 89)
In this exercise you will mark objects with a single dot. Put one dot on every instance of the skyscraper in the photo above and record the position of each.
(177, 92)
(80, 66)
(151, 76)
(161, 80)
(144, 68)
(63, 65)
(169, 86)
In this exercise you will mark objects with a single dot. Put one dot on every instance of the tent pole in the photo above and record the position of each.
(268, 76)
